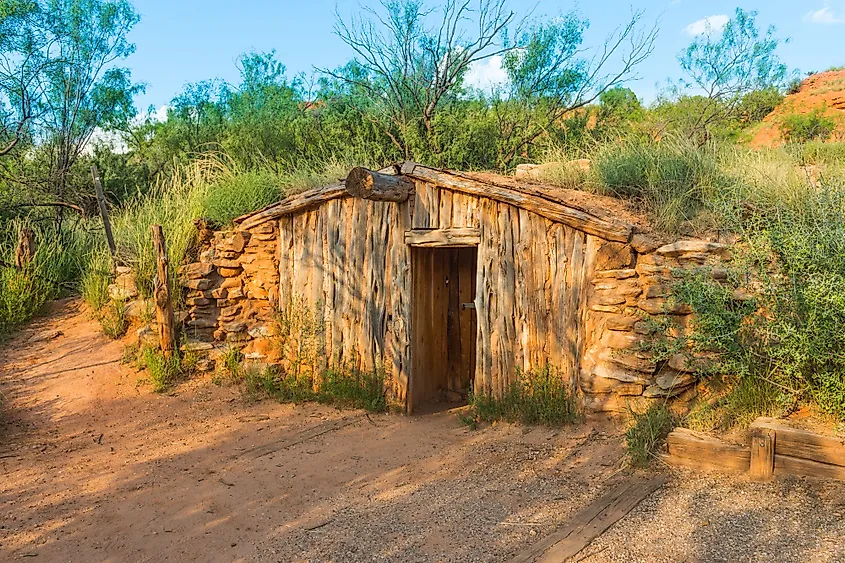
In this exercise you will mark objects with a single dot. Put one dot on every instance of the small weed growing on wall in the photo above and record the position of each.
(300, 334)
(537, 397)
(231, 361)
(647, 433)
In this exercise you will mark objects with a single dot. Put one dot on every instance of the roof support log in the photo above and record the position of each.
(377, 186)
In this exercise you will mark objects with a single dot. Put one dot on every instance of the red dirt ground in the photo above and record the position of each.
(97, 468)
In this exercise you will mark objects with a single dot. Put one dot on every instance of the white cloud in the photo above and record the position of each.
(827, 15)
(487, 74)
(708, 25)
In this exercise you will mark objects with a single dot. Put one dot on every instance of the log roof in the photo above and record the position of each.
(601, 216)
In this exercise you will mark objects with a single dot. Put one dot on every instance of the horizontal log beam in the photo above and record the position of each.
(698, 451)
(431, 238)
(798, 443)
(377, 186)
(292, 204)
(531, 200)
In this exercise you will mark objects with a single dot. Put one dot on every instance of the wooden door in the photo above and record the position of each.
(443, 324)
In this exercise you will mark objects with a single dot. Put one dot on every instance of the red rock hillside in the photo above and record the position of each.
(824, 92)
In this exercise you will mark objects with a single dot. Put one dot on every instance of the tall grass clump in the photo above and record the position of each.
(648, 432)
(541, 396)
(173, 203)
(672, 179)
(54, 271)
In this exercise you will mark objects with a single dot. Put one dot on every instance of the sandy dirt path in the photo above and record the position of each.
(94, 467)
(97, 468)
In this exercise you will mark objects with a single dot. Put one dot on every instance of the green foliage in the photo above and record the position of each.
(162, 372)
(537, 397)
(727, 67)
(112, 319)
(735, 402)
(95, 281)
(647, 433)
(802, 128)
(774, 326)
(673, 178)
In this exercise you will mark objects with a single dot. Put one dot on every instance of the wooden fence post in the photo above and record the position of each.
(25, 251)
(762, 453)
(104, 212)
(164, 304)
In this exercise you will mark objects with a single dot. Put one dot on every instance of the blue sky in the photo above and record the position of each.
(182, 41)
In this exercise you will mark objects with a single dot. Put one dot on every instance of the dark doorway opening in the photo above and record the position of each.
(443, 326)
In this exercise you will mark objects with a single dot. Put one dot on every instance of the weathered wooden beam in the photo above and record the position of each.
(804, 444)
(377, 186)
(104, 211)
(292, 204)
(25, 251)
(531, 200)
(463, 236)
(787, 465)
(762, 446)
(698, 451)
(591, 522)
(161, 292)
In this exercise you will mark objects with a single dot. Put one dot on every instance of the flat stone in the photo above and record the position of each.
(662, 306)
(600, 385)
(621, 323)
(644, 244)
(605, 309)
(230, 311)
(195, 270)
(614, 256)
(196, 346)
(122, 293)
(222, 263)
(220, 293)
(202, 322)
(616, 274)
(657, 291)
(689, 246)
(260, 331)
(674, 379)
(229, 272)
(198, 301)
(235, 327)
(199, 285)
(628, 360)
(611, 299)
(614, 371)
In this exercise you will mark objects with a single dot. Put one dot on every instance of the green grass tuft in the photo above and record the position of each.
(537, 397)
(647, 433)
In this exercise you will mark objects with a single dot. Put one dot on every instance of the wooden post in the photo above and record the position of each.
(762, 454)
(164, 305)
(26, 248)
(104, 212)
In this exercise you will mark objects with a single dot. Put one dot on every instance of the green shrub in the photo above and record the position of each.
(801, 128)
(647, 433)
(95, 281)
(735, 403)
(537, 397)
(354, 388)
(774, 327)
